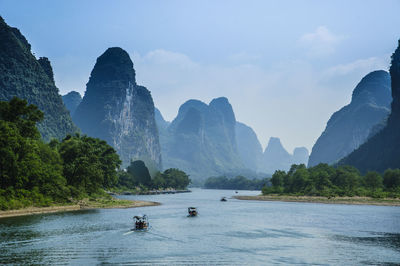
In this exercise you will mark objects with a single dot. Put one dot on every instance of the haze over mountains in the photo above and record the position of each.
(350, 127)
(201, 139)
(275, 157)
(204, 139)
(249, 147)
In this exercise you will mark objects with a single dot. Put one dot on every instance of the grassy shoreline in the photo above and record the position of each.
(85, 204)
(332, 200)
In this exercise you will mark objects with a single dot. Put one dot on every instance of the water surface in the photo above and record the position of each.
(225, 233)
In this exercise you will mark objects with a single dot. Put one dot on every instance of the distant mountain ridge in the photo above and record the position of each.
(249, 147)
(206, 140)
(116, 109)
(71, 100)
(201, 139)
(382, 151)
(24, 76)
(352, 125)
(276, 157)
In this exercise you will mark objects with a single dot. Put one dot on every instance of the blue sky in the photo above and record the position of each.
(285, 66)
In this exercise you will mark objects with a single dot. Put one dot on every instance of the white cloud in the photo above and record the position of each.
(162, 57)
(361, 65)
(320, 42)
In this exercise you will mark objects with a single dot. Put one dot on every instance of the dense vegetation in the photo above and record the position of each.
(238, 182)
(325, 180)
(35, 173)
(138, 176)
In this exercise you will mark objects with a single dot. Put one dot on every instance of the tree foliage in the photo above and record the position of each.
(325, 180)
(238, 182)
(140, 173)
(137, 174)
(89, 163)
(36, 173)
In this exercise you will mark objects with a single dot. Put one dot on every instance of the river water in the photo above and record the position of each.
(225, 233)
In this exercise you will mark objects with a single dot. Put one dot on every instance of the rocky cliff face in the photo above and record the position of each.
(275, 157)
(382, 151)
(201, 140)
(22, 75)
(71, 100)
(119, 111)
(249, 147)
(351, 126)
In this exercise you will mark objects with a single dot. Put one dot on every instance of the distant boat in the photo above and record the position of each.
(192, 212)
(141, 223)
(224, 199)
(236, 192)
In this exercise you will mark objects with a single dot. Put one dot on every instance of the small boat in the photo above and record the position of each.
(192, 212)
(224, 199)
(141, 223)
(236, 192)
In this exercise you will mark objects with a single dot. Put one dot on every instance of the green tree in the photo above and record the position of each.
(300, 179)
(159, 181)
(321, 176)
(89, 163)
(176, 178)
(140, 173)
(30, 170)
(391, 179)
(277, 178)
(347, 178)
(22, 115)
(125, 180)
(373, 180)
(289, 182)
(321, 180)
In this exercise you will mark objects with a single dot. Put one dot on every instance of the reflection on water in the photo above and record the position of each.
(387, 240)
(225, 233)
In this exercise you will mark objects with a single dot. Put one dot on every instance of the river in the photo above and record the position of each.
(224, 233)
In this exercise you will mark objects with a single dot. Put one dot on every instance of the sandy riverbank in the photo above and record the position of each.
(84, 205)
(333, 200)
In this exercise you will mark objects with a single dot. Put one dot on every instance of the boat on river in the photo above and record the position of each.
(224, 199)
(192, 212)
(141, 223)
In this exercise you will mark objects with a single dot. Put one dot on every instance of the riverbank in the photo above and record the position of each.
(85, 204)
(332, 200)
(150, 192)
